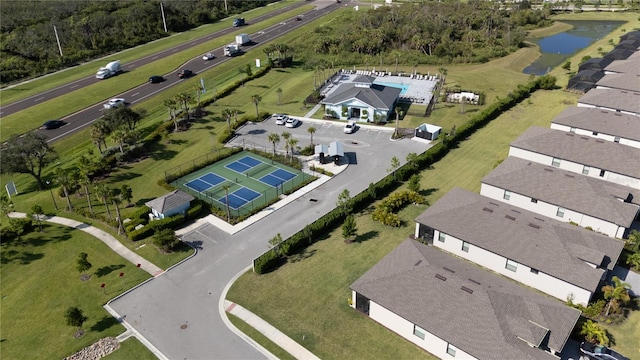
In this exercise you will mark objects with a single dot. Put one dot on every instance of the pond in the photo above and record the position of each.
(555, 49)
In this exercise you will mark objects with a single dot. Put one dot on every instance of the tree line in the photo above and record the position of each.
(90, 29)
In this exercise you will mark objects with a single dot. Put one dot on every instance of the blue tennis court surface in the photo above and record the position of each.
(239, 197)
(246, 193)
(283, 174)
(247, 160)
(238, 166)
(212, 178)
(272, 180)
(198, 185)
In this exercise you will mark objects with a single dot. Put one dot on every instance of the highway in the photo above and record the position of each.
(83, 118)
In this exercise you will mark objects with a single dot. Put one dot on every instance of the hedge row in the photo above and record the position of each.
(304, 238)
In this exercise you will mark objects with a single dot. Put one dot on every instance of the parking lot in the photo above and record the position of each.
(365, 141)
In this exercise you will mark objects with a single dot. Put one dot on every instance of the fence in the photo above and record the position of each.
(197, 163)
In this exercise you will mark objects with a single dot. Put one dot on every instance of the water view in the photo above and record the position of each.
(558, 48)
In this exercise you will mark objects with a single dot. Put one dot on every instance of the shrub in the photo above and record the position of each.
(266, 262)
(165, 239)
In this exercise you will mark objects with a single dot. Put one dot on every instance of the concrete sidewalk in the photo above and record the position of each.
(266, 329)
(103, 236)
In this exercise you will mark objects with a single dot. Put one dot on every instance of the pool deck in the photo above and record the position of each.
(419, 87)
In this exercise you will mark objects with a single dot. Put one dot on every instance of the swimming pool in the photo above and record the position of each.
(403, 87)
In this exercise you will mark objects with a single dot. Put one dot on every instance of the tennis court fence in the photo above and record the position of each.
(198, 163)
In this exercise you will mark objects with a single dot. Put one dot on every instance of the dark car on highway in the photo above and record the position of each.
(52, 124)
(156, 79)
(184, 73)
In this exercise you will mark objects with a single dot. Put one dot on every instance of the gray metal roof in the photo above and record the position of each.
(613, 99)
(377, 96)
(478, 312)
(550, 246)
(621, 81)
(584, 194)
(586, 150)
(601, 121)
(629, 66)
(169, 201)
(364, 79)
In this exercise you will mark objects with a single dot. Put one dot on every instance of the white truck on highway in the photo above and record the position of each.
(242, 39)
(231, 50)
(113, 68)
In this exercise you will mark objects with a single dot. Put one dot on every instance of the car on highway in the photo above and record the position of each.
(600, 352)
(155, 79)
(114, 103)
(184, 73)
(52, 124)
(208, 56)
(350, 127)
(292, 122)
(281, 119)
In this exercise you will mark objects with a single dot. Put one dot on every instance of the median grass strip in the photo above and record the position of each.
(39, 283)
(276, 350)
(131, 349)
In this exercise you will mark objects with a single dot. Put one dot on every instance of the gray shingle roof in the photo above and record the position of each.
(601, 121)
(377, 96)
(536, 241)
(486, 323)
(613, 99)
(629, 66)
(619, 54)
(628, 82)
(586, 195)
(169, 201)
(584, 150)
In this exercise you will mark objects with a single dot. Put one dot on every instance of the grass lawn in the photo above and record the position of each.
(40, 281)
(276, 350)
(625, 336)
(131, 349)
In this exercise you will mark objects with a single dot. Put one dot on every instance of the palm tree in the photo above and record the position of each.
(594, 333)
(255, 99)
(66, 178)
(311, 130)
(274, 139)
(116, 199)
(184, 99)
(103, 192)
(286, 135)
(99, 131)
(172, 106)
(616, 294)
(279, 93)
(119, 136)
(226, 201)
(292, 145)
(228, 113)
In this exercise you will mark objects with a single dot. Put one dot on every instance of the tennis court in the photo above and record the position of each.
(242, 183)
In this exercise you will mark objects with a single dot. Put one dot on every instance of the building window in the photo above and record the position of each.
(441, 236)
(616, 139)
(560, 212)
(465, 246)
(451, 350)
(418, 331)
(507, 195)
(585, 170)
(535, 201)
(601, 173)
(573, 130)
(555, 162)
(534, 271)
(511, 265)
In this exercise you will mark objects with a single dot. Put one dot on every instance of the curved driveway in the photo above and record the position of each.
(189, 293)
(86, 117)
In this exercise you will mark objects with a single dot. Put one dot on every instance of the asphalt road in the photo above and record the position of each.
(189, 293)
(83, 118)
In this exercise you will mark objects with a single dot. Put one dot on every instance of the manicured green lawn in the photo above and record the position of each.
(276, 350)
(625, 336)
(40, 281)
(131, 349)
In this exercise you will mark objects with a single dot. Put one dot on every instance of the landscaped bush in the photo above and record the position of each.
(386, 217)
(265, 263)
(171, 222)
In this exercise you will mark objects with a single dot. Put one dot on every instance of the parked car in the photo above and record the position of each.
(52, 124)
(292, 122)
(281, 119)
(208, 56)
(600, 352)
(156, 79)
(114, 103)
(350, 127)
(184, 73)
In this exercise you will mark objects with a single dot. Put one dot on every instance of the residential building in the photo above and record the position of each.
(601, 124)
(626, 102)
(362, 100)
(629, 66)
(580, 154)
(585, 80)
(605, 207)
(597, 64)
(454, 309)
(559, 259)
(619, 82)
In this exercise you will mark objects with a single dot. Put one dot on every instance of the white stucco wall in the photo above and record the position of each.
(606, 137)
(404, 328)
(541, 281)
(550, 210)
(575, 167)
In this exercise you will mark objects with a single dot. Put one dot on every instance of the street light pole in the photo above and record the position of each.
(52, 197)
